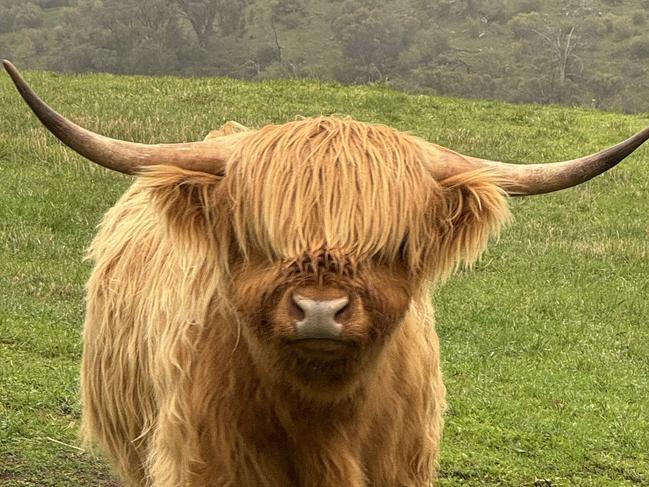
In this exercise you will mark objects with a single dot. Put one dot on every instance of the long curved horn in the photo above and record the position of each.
(118, 155)
(531, 179)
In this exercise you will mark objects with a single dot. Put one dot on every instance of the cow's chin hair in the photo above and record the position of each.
(312, 377)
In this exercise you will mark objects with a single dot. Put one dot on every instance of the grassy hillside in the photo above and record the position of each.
(545, 343)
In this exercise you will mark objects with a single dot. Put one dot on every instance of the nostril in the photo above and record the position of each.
(295, 309)
(343, 312)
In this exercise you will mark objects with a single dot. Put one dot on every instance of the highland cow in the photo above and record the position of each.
(258, 313)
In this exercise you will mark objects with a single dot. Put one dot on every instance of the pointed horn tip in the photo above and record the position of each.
(14, 74)
(8, 65)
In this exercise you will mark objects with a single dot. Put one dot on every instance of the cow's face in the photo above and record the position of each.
(319, 316)
(338, 227)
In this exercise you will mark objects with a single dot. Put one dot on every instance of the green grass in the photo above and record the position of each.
(545, 343)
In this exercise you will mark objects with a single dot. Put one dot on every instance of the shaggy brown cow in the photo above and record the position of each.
(259, 313)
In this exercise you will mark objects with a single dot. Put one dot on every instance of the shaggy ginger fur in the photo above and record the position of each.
(179, 386)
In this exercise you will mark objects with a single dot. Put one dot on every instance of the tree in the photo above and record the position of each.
(123, 36)
(562, 44)
(289, 13)
(605, 87)
(553, 42)
(371, 40)
(27, 15)
(15, 15)
(203, 15)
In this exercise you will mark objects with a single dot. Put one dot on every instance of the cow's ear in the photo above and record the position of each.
(189, 200)
(473, 209)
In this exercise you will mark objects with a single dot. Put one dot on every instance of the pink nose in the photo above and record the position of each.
(319, 319)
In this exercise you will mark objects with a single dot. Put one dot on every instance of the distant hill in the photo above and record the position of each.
(576, 52)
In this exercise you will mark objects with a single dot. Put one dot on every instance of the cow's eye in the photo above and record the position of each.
(403, 249)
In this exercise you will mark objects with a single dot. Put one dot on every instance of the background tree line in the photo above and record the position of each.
(581, 52)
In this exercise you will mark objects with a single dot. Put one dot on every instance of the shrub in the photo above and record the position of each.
(639, 48)
(6, 20)
(265, 55)
(27, 15)
(53, 3)
(639, 18)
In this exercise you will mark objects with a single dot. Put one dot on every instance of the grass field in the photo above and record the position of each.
(545, 343)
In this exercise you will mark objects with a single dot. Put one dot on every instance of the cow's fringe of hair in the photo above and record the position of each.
(358, 189)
